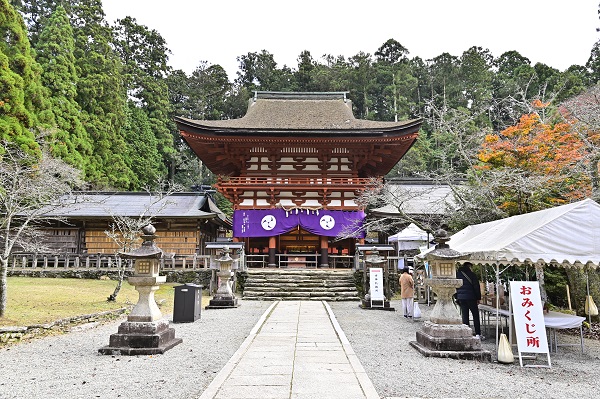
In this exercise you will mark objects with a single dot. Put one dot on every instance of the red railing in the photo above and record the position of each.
(295, 181)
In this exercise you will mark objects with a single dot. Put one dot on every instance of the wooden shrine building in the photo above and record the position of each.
(293, 167)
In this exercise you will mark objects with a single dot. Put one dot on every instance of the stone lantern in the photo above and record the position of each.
(145, 332)
(444, 335)
(224, 297)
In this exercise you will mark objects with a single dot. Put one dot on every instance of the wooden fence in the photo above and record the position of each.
(108, 262)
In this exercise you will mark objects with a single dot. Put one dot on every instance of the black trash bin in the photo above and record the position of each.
(187, 303)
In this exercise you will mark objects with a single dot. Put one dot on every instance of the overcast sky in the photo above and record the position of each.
(559, 33)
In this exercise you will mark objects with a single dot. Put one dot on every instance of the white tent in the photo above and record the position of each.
(568, 235)
(412, 237)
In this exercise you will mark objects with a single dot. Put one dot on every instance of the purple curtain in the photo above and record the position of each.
(273, 222)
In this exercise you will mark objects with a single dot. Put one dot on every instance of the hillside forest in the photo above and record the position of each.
(102, 98)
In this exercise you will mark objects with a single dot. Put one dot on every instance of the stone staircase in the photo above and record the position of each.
(300, 284)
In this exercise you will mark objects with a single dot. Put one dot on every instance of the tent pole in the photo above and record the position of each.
(587, 283)
(497, 301)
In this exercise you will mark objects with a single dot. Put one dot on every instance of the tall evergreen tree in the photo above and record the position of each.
(513, 81)
(35, 14)
(392, 52)
(394, 81)
(206, 94)
(593, 63)
(208, 88)
(420, 71)
(304, 75)
(100, 93)
(143, 156)
(476, 76)
(22, 103)
(55, 53)
(258, 71)
(144, 54)
(445, 87)
(361, 78)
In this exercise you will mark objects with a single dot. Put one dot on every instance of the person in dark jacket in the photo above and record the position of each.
(468, 295)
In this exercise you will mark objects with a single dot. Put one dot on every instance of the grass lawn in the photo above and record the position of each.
(44, 300)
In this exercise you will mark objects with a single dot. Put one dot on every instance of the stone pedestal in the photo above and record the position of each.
(449, 340)
(146, 308)
(366, 304)
(222, 303)
(444, 335)
(224, 298)
(141, 338)
(444, 311)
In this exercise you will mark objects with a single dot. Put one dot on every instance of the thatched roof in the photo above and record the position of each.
(298, 112)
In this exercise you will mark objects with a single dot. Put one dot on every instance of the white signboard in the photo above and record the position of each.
(376, 283)
(528, 315)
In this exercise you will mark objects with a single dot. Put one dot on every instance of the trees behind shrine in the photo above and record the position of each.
(105, 95)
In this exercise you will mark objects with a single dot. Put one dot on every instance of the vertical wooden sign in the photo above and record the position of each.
(528, 315)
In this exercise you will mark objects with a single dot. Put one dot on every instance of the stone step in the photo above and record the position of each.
(299, 271)
(299, 277)
(300, 284)
(294, 298)
(280, 277)
(291, 284)
(297, 289)
(289, 293)
(283, 279)
(286, 281)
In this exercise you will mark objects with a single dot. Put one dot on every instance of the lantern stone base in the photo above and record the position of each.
(141, 338)
(454, 341)
(223, 303)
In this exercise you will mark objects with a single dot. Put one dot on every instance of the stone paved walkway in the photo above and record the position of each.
(297, 350)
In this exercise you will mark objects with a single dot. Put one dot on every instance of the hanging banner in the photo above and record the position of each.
(528, 315)
(273, 222)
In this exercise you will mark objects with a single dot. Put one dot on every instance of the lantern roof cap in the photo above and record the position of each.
(443, 250)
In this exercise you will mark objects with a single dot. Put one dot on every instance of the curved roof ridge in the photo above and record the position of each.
(301, 95)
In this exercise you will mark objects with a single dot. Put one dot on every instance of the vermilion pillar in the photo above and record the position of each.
(324, 252)
(272, 251)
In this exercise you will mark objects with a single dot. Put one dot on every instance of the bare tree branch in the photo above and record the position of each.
(125, 230)
(30, 188)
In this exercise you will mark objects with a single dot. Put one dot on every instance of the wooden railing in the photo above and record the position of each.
(257, 260)
(108, 262)
(295, 181)
(300, 260)
(169, 262)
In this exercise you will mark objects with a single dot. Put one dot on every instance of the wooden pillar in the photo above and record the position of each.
(324, 252)
(272, 251)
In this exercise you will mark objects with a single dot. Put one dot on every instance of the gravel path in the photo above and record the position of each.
(69, 366)
(380, 339)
